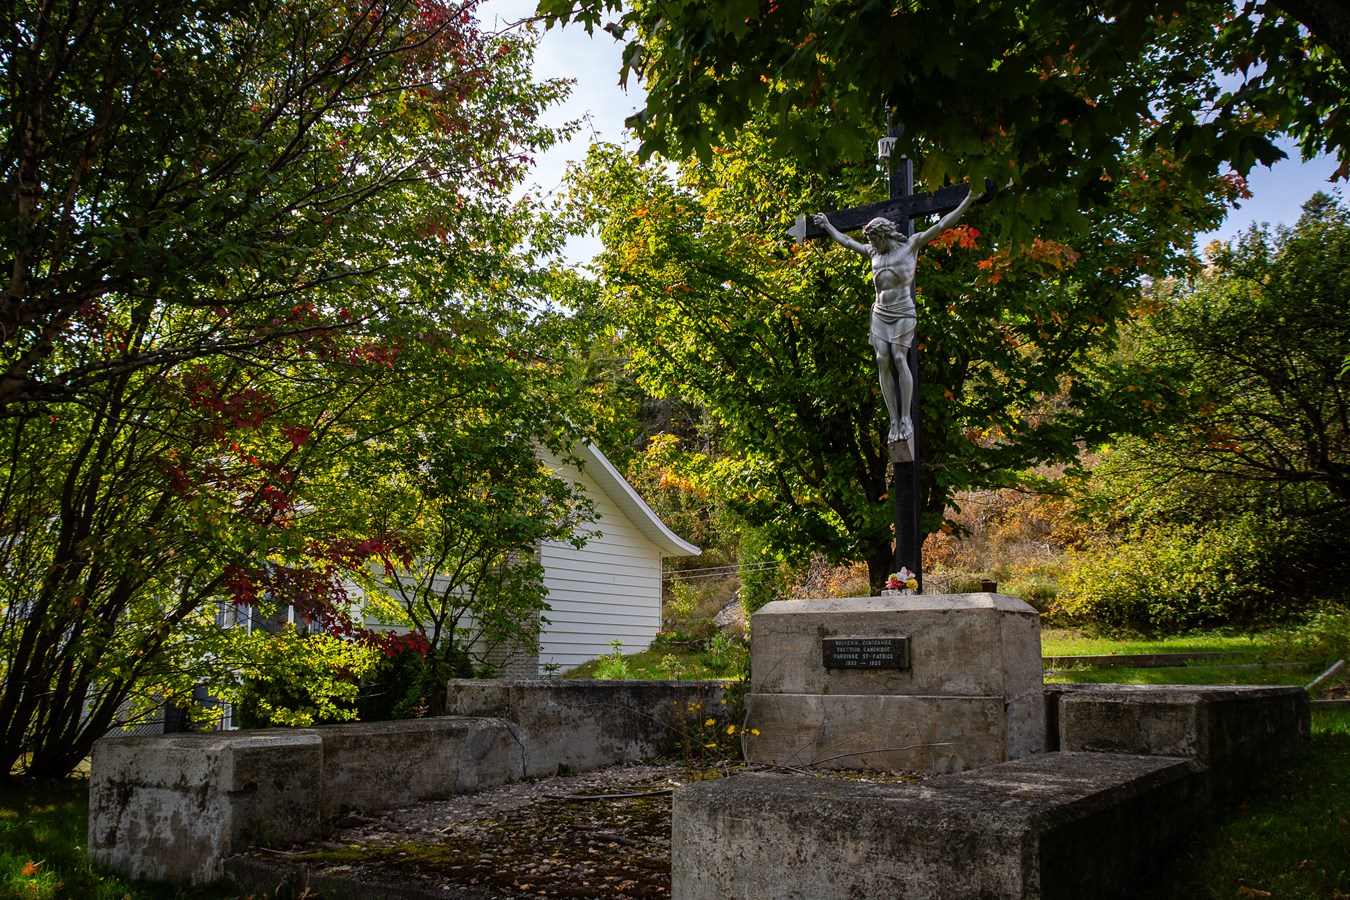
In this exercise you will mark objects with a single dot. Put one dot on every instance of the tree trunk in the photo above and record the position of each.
(1326, 20)
(880, 564)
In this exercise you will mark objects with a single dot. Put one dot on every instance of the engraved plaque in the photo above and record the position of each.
(865, 652)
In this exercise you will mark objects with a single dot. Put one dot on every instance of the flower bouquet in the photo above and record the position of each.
(902, 582)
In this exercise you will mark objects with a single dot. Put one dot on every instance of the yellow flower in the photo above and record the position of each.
(731, 729)
(710, 745)
(912, 584)
(755, 732)
(709, 722)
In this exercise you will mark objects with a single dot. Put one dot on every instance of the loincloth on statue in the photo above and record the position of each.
(894, 330)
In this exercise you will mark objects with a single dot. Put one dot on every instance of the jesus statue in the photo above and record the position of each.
(894, 259)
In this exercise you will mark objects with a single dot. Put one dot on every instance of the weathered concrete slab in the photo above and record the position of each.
(172, 807)
(1234, 732)
(1061, 825)
(585, 724)
(971, 695)
(378, 765)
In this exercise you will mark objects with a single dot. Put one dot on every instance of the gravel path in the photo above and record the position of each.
(535, 839)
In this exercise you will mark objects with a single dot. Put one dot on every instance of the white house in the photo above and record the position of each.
(610, 589)
(607, 590)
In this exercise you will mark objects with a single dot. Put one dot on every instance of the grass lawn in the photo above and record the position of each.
(704, 660)
(42, 839)
(1280, 657)
(659, 663)
(1288, 838)
(1269, 646)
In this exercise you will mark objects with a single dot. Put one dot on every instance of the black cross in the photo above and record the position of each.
(903, 207)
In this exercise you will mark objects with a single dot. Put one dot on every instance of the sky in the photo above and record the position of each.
(1278, 193)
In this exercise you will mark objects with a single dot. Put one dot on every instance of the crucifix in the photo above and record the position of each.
(893, 249)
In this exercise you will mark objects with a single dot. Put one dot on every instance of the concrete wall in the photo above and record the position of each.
(587, 724)
(174, 806)
(1234, 732)
(383, 764)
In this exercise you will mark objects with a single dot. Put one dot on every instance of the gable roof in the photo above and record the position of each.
(621, 492)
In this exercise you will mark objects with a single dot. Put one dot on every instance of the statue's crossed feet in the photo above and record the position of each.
(901, 431)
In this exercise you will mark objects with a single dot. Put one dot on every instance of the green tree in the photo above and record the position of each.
(1234, 508)
(1055, 96)
(458, 501)
(1257, 342)
(234, 160)
(771, 339)
(236, 230)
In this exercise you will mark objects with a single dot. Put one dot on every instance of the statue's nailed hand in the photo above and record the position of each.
(820, 219)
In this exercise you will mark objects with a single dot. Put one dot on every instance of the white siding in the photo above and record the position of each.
(608, 590)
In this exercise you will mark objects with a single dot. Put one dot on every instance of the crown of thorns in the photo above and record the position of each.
(884, 225)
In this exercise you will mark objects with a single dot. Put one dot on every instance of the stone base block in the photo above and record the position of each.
(966, 691)
(172, 807)
(1059, 825)
(1233, 732)
(871, 733)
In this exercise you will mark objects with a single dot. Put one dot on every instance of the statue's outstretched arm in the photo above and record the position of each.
(946, 221)
(824, 222)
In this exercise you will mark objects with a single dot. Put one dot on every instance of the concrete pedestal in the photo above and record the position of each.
(970, 695)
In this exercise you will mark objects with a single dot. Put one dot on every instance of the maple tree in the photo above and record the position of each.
(239, 235)
(716, 307)
(231, 159)
(126, 518)
(1053, 96)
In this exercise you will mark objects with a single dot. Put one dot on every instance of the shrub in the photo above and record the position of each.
(820, 579)
(761, 581)
(1178, 577)
(614, 665)
(690, 606)
(1039, 589)
(403, 685)
(259, 700)
(725, 656)
(1325, 634)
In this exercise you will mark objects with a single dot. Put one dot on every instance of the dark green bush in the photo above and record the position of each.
(1040, 593)
(760, 583)
(402, 685)
(1246, 571)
